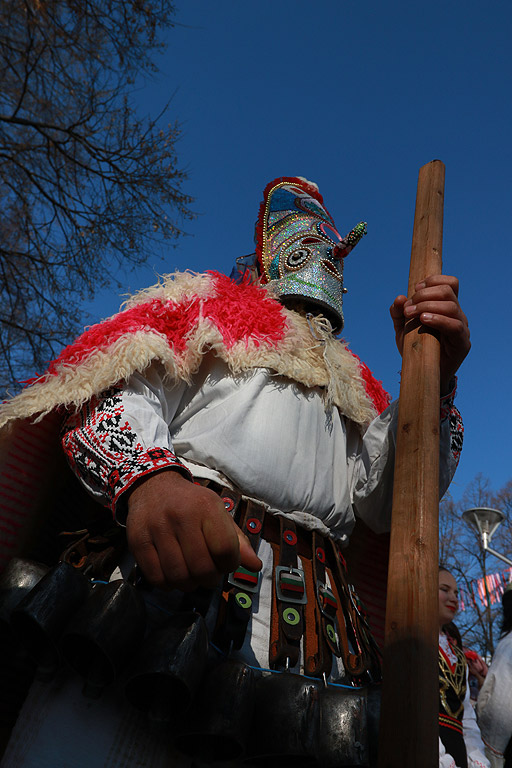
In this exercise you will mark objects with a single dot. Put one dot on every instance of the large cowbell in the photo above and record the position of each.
(104, 634)
(40, 617)
(218, 725)
(169, 669)
(18, 579)
(301, 722)
(299, 249)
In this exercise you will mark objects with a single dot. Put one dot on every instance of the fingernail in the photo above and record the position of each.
(427, 317)
(410, 309)
(421, 285)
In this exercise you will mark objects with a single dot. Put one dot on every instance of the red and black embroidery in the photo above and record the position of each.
(450, 412)
(456, 433)
(452, 693)
(106, 453)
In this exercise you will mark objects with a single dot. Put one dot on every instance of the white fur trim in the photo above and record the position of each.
(315, 362)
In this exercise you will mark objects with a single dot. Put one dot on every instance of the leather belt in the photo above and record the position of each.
(312, 598)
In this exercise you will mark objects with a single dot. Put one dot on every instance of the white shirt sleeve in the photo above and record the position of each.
(472, 736)
(121, 436)
(373, 487)
(494, 704)
(271, 437)
(445, 760)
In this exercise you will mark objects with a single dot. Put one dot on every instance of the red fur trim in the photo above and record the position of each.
(167, 318)
(309, 188)
(374, 389)
(245, 311)
(240, 312)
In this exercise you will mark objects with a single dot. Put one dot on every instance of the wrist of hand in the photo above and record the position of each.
(169, 477)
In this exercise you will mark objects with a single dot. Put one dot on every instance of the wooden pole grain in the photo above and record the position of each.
(409, 714)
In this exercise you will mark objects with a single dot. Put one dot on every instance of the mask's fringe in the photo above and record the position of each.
(321, 330)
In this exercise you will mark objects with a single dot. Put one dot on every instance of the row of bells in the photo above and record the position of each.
(220, 710)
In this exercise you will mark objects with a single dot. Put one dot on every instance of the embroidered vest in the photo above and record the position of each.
(452, 692)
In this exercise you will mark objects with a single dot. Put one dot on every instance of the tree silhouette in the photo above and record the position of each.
(460, 551)
(88, 185)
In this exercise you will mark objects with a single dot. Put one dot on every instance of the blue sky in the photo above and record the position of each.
(356, 96)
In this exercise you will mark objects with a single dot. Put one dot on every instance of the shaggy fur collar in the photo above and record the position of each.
(180, 319)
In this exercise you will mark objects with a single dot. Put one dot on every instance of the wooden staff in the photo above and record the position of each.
(409, 729)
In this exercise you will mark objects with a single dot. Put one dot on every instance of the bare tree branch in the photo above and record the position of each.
(87, 185)
(461, 552)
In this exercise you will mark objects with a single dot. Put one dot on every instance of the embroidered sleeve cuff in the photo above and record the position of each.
(122, 478)
(450, 412)
(108, 455)
(447, 400)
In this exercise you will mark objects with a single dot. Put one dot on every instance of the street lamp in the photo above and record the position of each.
(485, 521)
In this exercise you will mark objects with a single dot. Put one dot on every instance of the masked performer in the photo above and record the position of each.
(237, 439)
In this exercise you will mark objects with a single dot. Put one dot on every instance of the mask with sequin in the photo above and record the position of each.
(299, 249)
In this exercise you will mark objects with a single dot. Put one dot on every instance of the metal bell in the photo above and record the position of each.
(169, 668)
(40, 617)
(219, 719)
(105, 633)
(285, 720)
(373, 704)
(342, 736)
(18, 578)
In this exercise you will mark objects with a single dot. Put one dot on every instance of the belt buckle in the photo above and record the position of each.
(326, 598)
(354, 599)
(297, 584)
(244, 579)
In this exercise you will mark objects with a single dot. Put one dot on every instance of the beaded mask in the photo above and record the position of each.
(299, 249)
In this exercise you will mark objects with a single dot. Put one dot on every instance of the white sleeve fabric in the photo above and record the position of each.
(123, 435)
(127, 433)
(445, 760)
(472, 737)
(374, 470)
(494, 760)
(494, 704)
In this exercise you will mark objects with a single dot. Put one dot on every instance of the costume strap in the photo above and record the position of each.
(239, 586)
(322, 608)
(360, 653)
(288, 598)
(312, 600)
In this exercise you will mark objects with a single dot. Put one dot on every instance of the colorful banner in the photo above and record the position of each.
(488, 588)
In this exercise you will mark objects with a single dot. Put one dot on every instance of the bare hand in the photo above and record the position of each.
(435, 302)
(181, 535)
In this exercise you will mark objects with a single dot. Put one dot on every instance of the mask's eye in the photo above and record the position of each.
(297, 258)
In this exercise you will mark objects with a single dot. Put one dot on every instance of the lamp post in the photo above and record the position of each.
(485, 522)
